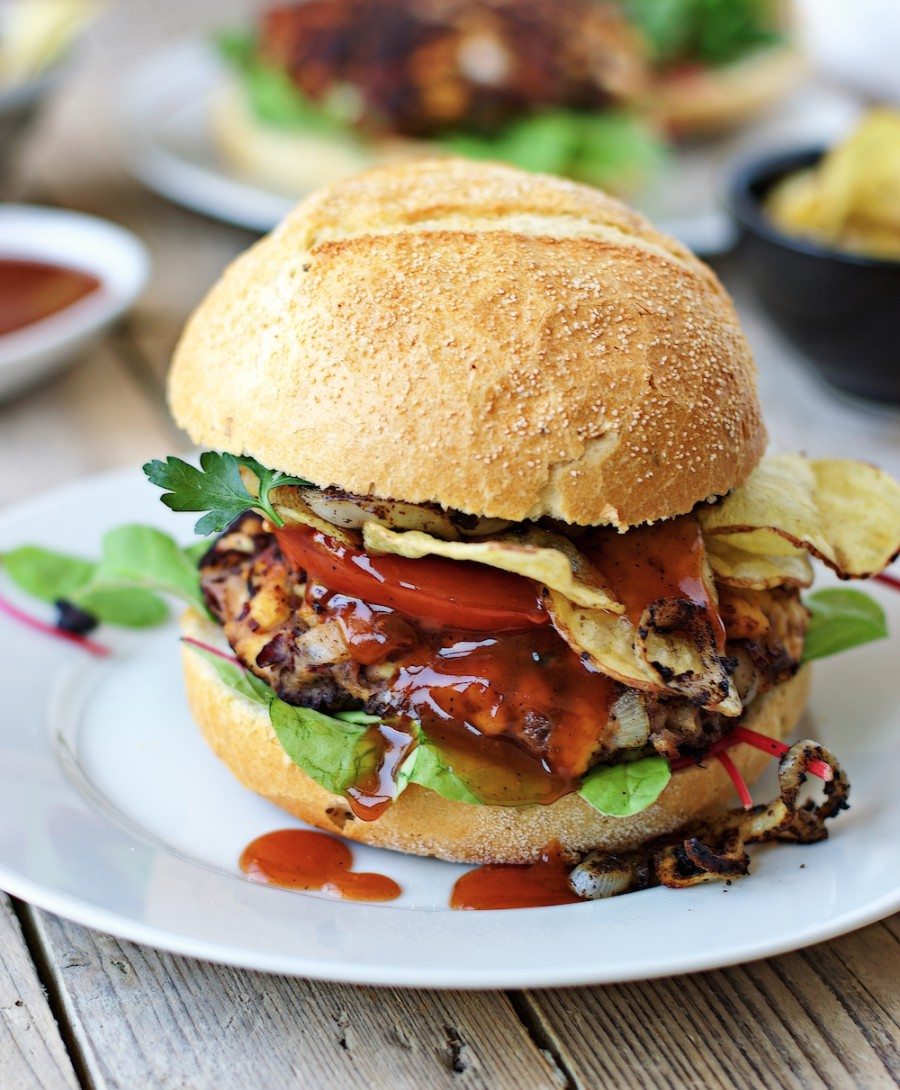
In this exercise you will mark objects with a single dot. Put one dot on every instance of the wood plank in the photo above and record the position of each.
(826, 1017)
(32, 1054)
(148, 1019)
(92, 417)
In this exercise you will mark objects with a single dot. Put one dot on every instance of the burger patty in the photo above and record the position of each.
(281, 631)
(417, 67)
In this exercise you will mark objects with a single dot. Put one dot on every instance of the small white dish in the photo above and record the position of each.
(113, 255)
(115, 814)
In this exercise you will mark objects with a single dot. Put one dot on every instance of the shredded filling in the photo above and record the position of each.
(333, 652)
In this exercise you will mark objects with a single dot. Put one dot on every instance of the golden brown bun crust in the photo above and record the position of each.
(423, 823)
(714, 100)
(504, 343)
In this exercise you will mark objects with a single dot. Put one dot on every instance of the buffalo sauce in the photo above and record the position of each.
(387, 747)
(303, 859)
(537, 885)
(490, 702)
(665, 560)
(475, 695)
(516, 713)
(32, 290)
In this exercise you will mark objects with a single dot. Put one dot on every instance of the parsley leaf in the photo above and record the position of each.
(217, 487)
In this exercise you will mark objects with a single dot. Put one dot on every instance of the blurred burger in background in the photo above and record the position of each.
(323, 88)
(590, 89)
(717, 63)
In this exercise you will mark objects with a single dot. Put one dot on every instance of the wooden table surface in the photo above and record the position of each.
(79, 1008)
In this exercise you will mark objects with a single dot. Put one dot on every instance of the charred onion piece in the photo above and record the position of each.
(717, 849)
(676, 642)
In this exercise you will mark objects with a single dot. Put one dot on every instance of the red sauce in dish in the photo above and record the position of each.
(537, 885)
(32, 290)
(303, 859)
(650, 562)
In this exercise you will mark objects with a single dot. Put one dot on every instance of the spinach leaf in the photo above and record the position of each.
(236, 677)
(54, 577)
(144, 557)
(841, 619)
(330, 751)
(427, 767)
(627, 788)
(46, 574)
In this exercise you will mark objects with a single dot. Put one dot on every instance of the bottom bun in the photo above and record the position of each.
(291, 161)
(713, 100)
(423, 823)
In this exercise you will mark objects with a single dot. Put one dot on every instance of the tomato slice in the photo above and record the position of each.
(452, 593)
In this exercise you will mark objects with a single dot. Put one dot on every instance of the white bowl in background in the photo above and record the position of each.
(113, 255)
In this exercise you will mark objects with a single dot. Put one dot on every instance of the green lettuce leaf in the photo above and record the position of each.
(334, 753)
(627, 788)
(333, 750)
(236, 677)
(122, 589)
(712, 32)
(197, 551)
(144, 557)
(274, 97)
(612, 149)
(46, 574)
(427, 766)
(127, 607)
(841, 619)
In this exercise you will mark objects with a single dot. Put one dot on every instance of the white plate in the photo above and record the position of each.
(116, 815)
(110, 253)
(171, 149)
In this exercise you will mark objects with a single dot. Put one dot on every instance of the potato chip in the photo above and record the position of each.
(606, 638)
(545, 557)
(845, 513)
(737, 567)
(668, 653)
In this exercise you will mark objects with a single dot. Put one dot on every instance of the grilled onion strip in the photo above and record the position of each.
(716, 850)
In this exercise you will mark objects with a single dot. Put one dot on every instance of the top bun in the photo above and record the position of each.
(508, 344)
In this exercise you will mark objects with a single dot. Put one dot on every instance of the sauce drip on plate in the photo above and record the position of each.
(303, 859)
(537, 885)
(32, 290)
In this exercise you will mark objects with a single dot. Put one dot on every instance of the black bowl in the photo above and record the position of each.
(842, 310)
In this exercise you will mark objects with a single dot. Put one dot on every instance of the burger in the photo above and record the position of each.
(717, 63)
(586, 88)
(500, 559)
(324, 88)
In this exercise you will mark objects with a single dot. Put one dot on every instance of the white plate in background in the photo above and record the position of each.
(115, 814)
(168, 100)
(113, 255)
